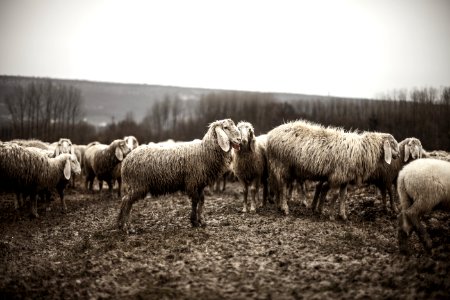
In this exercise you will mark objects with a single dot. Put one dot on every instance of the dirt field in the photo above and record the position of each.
(265, 255)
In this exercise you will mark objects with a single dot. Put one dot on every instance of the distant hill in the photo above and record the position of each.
(104, 101)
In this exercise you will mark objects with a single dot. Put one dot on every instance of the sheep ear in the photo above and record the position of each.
(387, 152)
(421, 152)
(119, 154)
(67, 169)
(72, 150)
(57, 151)
(407, 153)
(222, 139)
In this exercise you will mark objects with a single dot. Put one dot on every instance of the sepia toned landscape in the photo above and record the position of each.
(225, 149)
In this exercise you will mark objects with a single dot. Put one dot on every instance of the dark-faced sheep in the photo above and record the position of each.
(101, 160)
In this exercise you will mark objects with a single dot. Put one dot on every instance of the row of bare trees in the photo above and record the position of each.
(422, 113)
(44, 110)
(47, 111)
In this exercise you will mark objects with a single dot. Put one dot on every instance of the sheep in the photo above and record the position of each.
(187, 167)
(132, 144)
(100, 161)
(386, 175)
(308, 151)
(250, 164)
(422, 185)
(31, 172)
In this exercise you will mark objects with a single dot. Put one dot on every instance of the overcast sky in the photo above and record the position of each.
(343, 48)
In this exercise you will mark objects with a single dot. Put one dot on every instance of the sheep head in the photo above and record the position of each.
(71, 165)
(227, 134)
(390, 148)
(64, 146)
(413, 149)
(120, 149)
(247, 135)
(131, 141)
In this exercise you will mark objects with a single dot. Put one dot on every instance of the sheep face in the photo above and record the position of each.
(121, 149)
(247, 135)
(227, 134)
(71, 166)
(390, 148)
(64, 146)
(131, 141)
(413, 149)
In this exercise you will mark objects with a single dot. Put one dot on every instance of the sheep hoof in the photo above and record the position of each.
(332, 218)
(244, 210)
(343, 217)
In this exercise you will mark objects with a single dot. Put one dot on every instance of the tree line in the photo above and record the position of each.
(48, 111)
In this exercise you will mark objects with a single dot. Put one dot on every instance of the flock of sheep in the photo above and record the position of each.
(289, 154)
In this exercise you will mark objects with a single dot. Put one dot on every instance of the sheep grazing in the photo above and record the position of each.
(101, 160)
(187, 167)
(302, 150)
(422, 186)
(27, 171)
(250, 165)
(385, 175)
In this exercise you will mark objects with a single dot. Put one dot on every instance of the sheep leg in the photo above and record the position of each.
(342, 195)
(412, 215)
(100, 185)
(245, 191)
(392, 199)
(224, 182)
(196, 202)
(33, 200)
(322, 188)
(60, 190)
(119, 184)
(254, 190)
(200, 215)
(403, 233)
(383, 197)
(314, 204)
(302, 191)
(125, 208)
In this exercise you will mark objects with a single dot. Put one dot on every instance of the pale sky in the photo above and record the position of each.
(343, 48)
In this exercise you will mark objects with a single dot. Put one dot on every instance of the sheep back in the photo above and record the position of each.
(327, 152)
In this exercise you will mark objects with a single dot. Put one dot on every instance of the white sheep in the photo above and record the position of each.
(250, 165)
(101, 160)
(187, 167)
(307, 151)
(422, 185)
(30, 172)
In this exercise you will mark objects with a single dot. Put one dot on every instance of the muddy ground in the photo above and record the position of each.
(264, 255)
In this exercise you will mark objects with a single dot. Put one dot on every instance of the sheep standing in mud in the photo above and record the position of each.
(308, 151)
(187, 167)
